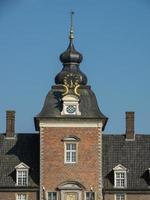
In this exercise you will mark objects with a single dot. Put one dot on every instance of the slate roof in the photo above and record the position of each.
(134, 155)
(88, 106)
(24, 148)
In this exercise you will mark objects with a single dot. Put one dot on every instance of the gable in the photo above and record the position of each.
(22, 166)
(119, 168)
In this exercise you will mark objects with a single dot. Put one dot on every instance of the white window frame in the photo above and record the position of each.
(120, 178)
(70, 100)
(65, 109)
(120, 169)
(120, 194)
(17, 177)
(71, 152)
(17, 196)
(22, 167)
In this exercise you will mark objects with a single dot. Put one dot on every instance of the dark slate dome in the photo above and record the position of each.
(71, 60)
(59, 79)
(71, 55)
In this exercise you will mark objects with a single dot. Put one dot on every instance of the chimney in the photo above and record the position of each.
(10, 124)
(130, 126)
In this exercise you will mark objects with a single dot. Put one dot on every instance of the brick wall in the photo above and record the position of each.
(13, 195)
(86, 171)
(129, 197)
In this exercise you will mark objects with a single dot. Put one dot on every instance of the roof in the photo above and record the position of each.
(24, 148)
(88, 105)
(133, 155)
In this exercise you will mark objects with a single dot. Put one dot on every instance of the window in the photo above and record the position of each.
(52, 196)
(120, 197)
(71, 149)
(120, 179)
(90, 195)
(120, 176)
(71, 109)
(70, 103)
(21, 197)
(70, 152)
(22, 177)
(22, 171)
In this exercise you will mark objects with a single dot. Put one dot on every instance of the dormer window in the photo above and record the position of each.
(22, 171)
(120, 176)
(70, 105)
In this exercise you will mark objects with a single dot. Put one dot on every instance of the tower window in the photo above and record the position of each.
(70, 152)
(71, 149)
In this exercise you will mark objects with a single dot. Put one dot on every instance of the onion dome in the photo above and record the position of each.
(71, 55)
(71, 59)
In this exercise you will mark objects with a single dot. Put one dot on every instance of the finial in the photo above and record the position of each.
(71, 35)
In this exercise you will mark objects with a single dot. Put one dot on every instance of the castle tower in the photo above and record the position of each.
(70, 125)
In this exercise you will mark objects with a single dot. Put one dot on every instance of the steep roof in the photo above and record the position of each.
(88, 105)
(134, 155)
(24, 148)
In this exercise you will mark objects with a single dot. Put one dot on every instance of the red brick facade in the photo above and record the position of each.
(128, 197)
(13, 195)
(85, 171)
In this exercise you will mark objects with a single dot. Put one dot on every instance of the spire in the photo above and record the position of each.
(71, 56)
(71, 34)
(71, 60)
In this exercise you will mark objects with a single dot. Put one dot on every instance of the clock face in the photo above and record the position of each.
(71, 109)
(71, 80)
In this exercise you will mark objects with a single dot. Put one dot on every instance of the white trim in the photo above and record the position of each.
(65, 151)
(22, 166)
(125, 179)
(100, 195)
(68, 123)
(41, 164)
(120, 168)
(27, 177)
(11, 138)
(70, 100)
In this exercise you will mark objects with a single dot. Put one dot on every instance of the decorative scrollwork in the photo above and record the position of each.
(76, 90)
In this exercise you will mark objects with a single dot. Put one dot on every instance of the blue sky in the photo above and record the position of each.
(114, 38)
